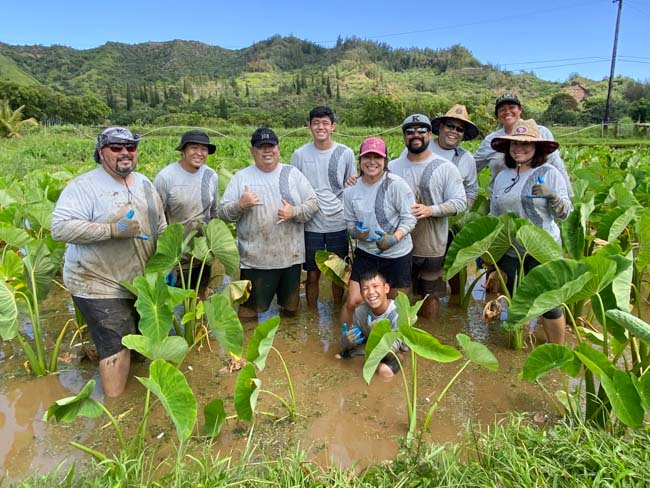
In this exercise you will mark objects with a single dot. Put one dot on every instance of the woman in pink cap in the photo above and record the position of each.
(377, 211)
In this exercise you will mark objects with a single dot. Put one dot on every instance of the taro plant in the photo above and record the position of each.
(424, 345)
(333, 268)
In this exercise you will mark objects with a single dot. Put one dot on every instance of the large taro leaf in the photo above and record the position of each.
(215, 415)
(261, 342)
(471, 242)
(615, 222)
(595, 360)
(507, 236)
(477, 352)
(624, 398)
(13, 236)
(12, 268)
(603, 271)
(379, 344)
(643, 235)
(8, 312)
(631, 323)
(642, 386)
(41, 214)
(548, 357)
(237, 291)
(169, 248)
(170, 386)
(573, 234)
(622, 283)
(247, 389)
(407, 314)
(170, 348)
(222, 245)
(545, 287)
(40, 267)
(81, 405)
(539, 243)
(333, 267)
(427, 346)
(622, 196)
(225, 324)
(200, 249)
(153, 305)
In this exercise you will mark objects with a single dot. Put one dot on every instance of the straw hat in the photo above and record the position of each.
(458, 112)
(524, 130)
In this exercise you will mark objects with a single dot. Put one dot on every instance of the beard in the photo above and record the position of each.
(417, 149)
(122, 171)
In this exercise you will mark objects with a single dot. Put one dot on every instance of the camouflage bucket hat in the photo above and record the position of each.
(114, 135)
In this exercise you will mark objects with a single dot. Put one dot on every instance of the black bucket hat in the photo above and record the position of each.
(196, 137)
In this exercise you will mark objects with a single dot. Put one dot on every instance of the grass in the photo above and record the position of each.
(511, 453)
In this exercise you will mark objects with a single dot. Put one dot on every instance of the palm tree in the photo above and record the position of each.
(11, 121)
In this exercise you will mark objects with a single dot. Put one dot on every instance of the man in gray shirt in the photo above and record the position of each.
(188, 189)
(270, 202)
(110, 218)
(327, 165)
(439, 192)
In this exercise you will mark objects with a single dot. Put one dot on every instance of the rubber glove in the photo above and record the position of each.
(385, 241)
(361, 233)
(541, 190)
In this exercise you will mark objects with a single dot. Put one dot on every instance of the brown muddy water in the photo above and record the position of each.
(343, 420)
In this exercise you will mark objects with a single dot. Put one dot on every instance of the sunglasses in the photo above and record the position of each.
(458, 128)
(412, 130)
(117, 148)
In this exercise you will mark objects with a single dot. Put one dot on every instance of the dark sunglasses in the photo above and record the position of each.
(412, 130)
(458, 128)
(117, 148)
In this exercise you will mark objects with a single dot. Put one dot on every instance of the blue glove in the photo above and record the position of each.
(385, 241)
(540, 190)
(361, 233)
(351, 337)
(170, 279)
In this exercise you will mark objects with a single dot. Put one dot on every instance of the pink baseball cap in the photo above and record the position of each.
(373, 145)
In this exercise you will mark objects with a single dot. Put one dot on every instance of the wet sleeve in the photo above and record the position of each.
(72, 219)
(309, 206)
(453, 192)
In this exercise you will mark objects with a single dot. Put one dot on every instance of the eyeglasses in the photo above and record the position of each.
(458, 128)
(117, 148)
(412, 130)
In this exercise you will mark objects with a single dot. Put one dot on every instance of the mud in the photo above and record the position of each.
(342, 420)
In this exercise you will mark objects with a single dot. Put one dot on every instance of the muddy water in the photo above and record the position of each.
(342, 420)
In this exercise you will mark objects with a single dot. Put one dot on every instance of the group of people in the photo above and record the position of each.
(395, 211)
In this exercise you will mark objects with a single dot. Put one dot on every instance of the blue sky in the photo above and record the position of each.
(552, 38)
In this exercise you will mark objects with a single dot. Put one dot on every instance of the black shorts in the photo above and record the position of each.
(427, 276)
(397, 271)
(284, 282)
(510, 267)
(336, 242)
(109, 320)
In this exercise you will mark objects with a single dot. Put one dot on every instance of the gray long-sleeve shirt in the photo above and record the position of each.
(466, 165)
(326, 171)
(95, 264)
(435, 182)
(263, 242)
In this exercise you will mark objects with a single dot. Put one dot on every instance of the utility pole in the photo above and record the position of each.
(611, 71)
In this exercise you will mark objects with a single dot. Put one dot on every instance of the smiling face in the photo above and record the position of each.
(321, 130)
(372, 167)
(266, 156)
(508, 114)
(193, 156)
(119, 158)
(451, 133)
(522, 151)
(416, 138)
(375, 294)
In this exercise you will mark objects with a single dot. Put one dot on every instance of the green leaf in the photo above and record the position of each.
(171, 348)
(539, 243)
(13, 236)
(407, 314)
(237, 291)
(545, 287)
(427, 346)
(169, 248)
(81, 405)
(477, 352)
(614, 223)
(200, 249)
(333, 267)
(631, 323)
(40, 266)
(261, 342)
(153, 305)
(222, 245)
(603, 271)
(215, 415)
(624, 398)
(507, 236)
(471, 242)
(573, 234)
(8, 312)
(175, 395)
(622, 283)
(643, 234)
(596, 361)
(379, 344)
(246, 392)
(225, 324)
(642, 386)
(12, 268)
(545, 358)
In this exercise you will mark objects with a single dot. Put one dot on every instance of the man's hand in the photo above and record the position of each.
(385, 241)
(351, 181)
(361, 233)
(421, 211)
(350, 338)
(286, 212)
(248, 199)
(127, 228)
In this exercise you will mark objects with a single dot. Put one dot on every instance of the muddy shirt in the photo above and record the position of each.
(435, 182)
(94, 263)
(188, 198)
(360, 319)
(262, 242)
(540, 211)
(485, 156)
(326, 171)
(466, 165)
(384, 205)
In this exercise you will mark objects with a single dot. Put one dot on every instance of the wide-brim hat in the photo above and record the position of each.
(525, 131)
(458, 112)
(114, 135)
(196, 137)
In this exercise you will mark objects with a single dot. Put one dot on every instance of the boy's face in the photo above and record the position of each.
(375, 294)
